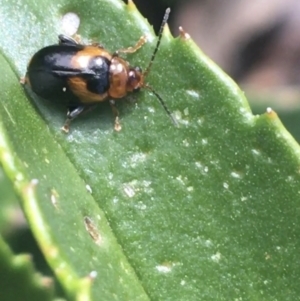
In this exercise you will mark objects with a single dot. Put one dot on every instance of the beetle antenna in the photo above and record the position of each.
(163, 23)
(162, 103)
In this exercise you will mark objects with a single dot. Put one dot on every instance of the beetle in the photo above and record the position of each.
(80, 76)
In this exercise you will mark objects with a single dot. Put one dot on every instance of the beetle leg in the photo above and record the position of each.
(133, 49)
(115, 111)
(73, 112)
(65, 40)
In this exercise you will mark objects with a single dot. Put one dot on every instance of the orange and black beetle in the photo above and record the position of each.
(81, 76)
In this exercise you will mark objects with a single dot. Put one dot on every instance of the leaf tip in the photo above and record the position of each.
(270, 113)
(29, 188)
(183, 34)
(131, 6)
(166, 31)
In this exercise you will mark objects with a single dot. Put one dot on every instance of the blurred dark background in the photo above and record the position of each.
(256, 42)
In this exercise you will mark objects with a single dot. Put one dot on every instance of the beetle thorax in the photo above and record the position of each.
(122, 78)
(118, 74)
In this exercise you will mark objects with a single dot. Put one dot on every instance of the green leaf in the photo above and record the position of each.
(18, 281)
(206, 211)
(9, 213)
(288, 110)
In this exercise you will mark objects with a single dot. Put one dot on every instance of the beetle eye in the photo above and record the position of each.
(134, 79)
